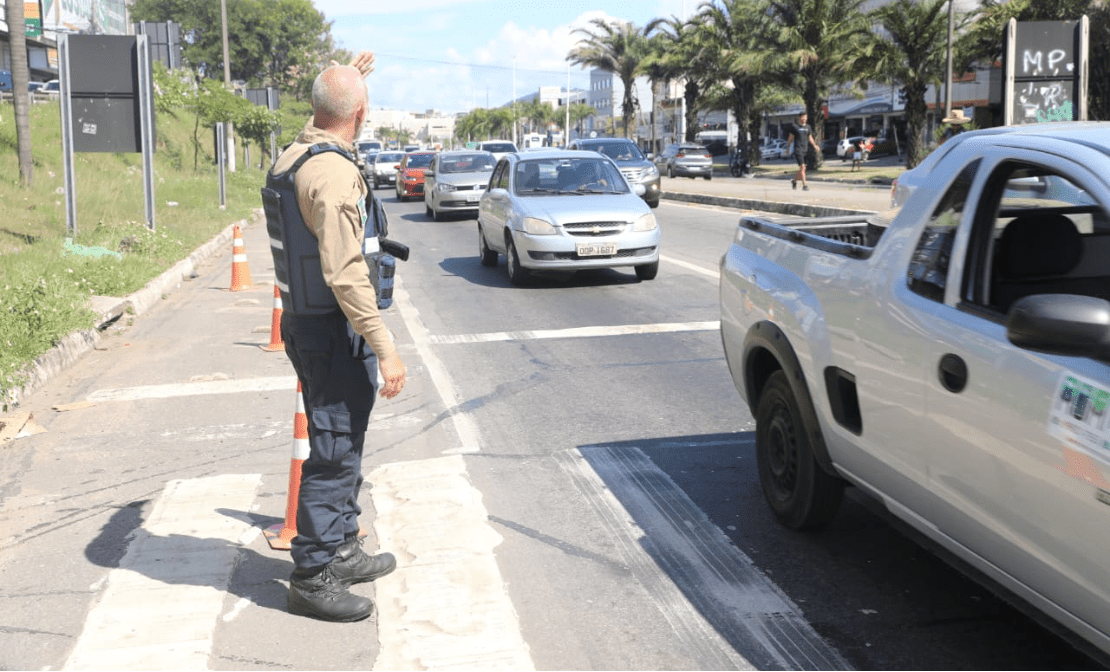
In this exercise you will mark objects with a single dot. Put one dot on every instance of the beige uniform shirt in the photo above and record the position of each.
(331, 195)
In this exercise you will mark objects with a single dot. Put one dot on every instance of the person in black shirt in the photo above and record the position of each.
(802, 138)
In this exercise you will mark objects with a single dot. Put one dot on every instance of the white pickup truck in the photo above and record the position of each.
(951, 359)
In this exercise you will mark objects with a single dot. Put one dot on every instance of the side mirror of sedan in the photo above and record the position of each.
(650, 156)
(639, 189)
(428, 173)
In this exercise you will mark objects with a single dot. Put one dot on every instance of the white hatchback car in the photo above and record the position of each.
(565, 210)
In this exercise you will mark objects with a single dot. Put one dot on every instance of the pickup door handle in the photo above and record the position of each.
(953, 373)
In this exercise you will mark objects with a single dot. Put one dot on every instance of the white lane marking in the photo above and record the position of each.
(161, 606)
(576, 332)
(446, 606)
(708, 590)
(195, 388)
(465, 426)
(711, 273)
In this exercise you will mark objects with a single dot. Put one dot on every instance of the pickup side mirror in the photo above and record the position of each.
(1061, 324)
(429, 173)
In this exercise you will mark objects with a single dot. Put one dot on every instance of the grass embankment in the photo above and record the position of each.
(44, 291)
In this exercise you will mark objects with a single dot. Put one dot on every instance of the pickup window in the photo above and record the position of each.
(928, 270)
(1038, 232)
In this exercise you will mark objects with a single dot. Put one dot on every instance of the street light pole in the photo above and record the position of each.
(948, 74)
(229, 135)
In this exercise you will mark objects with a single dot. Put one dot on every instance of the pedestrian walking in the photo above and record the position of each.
(802, 138)
(335, 338)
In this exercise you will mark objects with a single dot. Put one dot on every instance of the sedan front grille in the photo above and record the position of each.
(590, 229)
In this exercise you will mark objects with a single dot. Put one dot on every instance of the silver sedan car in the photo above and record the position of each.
(455, 181)
(565, 210)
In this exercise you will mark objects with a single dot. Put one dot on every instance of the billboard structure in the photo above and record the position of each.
(1045, 71)
(95, 17)
(107, 104)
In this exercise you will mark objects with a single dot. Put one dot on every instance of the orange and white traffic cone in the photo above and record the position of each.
(276, 344)
(240, 271)
(281, 536)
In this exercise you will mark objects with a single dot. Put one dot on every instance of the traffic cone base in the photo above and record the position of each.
(240, 270)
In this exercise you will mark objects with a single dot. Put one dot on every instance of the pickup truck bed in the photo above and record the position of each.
(951, 359)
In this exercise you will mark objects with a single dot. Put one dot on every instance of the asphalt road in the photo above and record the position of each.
(568, 480)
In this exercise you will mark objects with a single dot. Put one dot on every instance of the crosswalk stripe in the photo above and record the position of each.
(446, 607)
(161, 605)
(576, 332)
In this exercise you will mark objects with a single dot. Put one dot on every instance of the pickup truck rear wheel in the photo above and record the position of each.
(800, 493)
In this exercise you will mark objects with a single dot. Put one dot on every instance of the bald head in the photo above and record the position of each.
(338, 99)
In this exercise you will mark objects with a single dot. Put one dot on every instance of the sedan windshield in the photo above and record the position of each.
(467, 163)
(576, 176)
(619, 151)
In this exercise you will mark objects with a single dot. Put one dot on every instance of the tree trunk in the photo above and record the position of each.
(691, 95)
(21, 74)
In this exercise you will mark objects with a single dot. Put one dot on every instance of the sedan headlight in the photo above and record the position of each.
(446, 187)
(645, 223)
(538, 227)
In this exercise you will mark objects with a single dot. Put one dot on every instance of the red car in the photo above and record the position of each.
(410, 175)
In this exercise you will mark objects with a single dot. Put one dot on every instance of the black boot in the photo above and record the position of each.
(353, 565)
(323, 596)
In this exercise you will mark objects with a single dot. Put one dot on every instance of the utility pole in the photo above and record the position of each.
(948, 74)
(566, 127)
(514, 100)
(229, 135)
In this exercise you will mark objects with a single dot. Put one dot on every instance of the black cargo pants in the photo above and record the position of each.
(339, 379)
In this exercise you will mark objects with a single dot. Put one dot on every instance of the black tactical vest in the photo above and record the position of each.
(297, 269)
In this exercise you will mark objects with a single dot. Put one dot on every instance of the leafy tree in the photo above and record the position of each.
(619, 48)
(912, 53)
(256, 124)
(17, 44)
(820, 40)
(283, 43)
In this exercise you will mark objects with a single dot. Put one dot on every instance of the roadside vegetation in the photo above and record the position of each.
(45, 287)
(47, 275)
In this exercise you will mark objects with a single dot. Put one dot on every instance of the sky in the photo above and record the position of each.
(456, 55)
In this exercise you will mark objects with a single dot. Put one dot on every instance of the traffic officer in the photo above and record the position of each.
(330, 316)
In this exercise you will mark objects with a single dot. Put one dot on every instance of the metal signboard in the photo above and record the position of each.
(1046, 71)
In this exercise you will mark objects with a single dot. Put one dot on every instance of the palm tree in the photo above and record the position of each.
(579, 112)
(912, 54)
(17, 44)
(820, 40)
(685, 57)
(734, 31)
(616, 47)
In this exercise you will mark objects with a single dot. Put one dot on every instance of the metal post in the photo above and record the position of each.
(220, 151)
(146, 124)
(948, 75)
(67, 136)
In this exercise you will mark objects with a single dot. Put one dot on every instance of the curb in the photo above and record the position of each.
(73, 346)
(794, 209)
